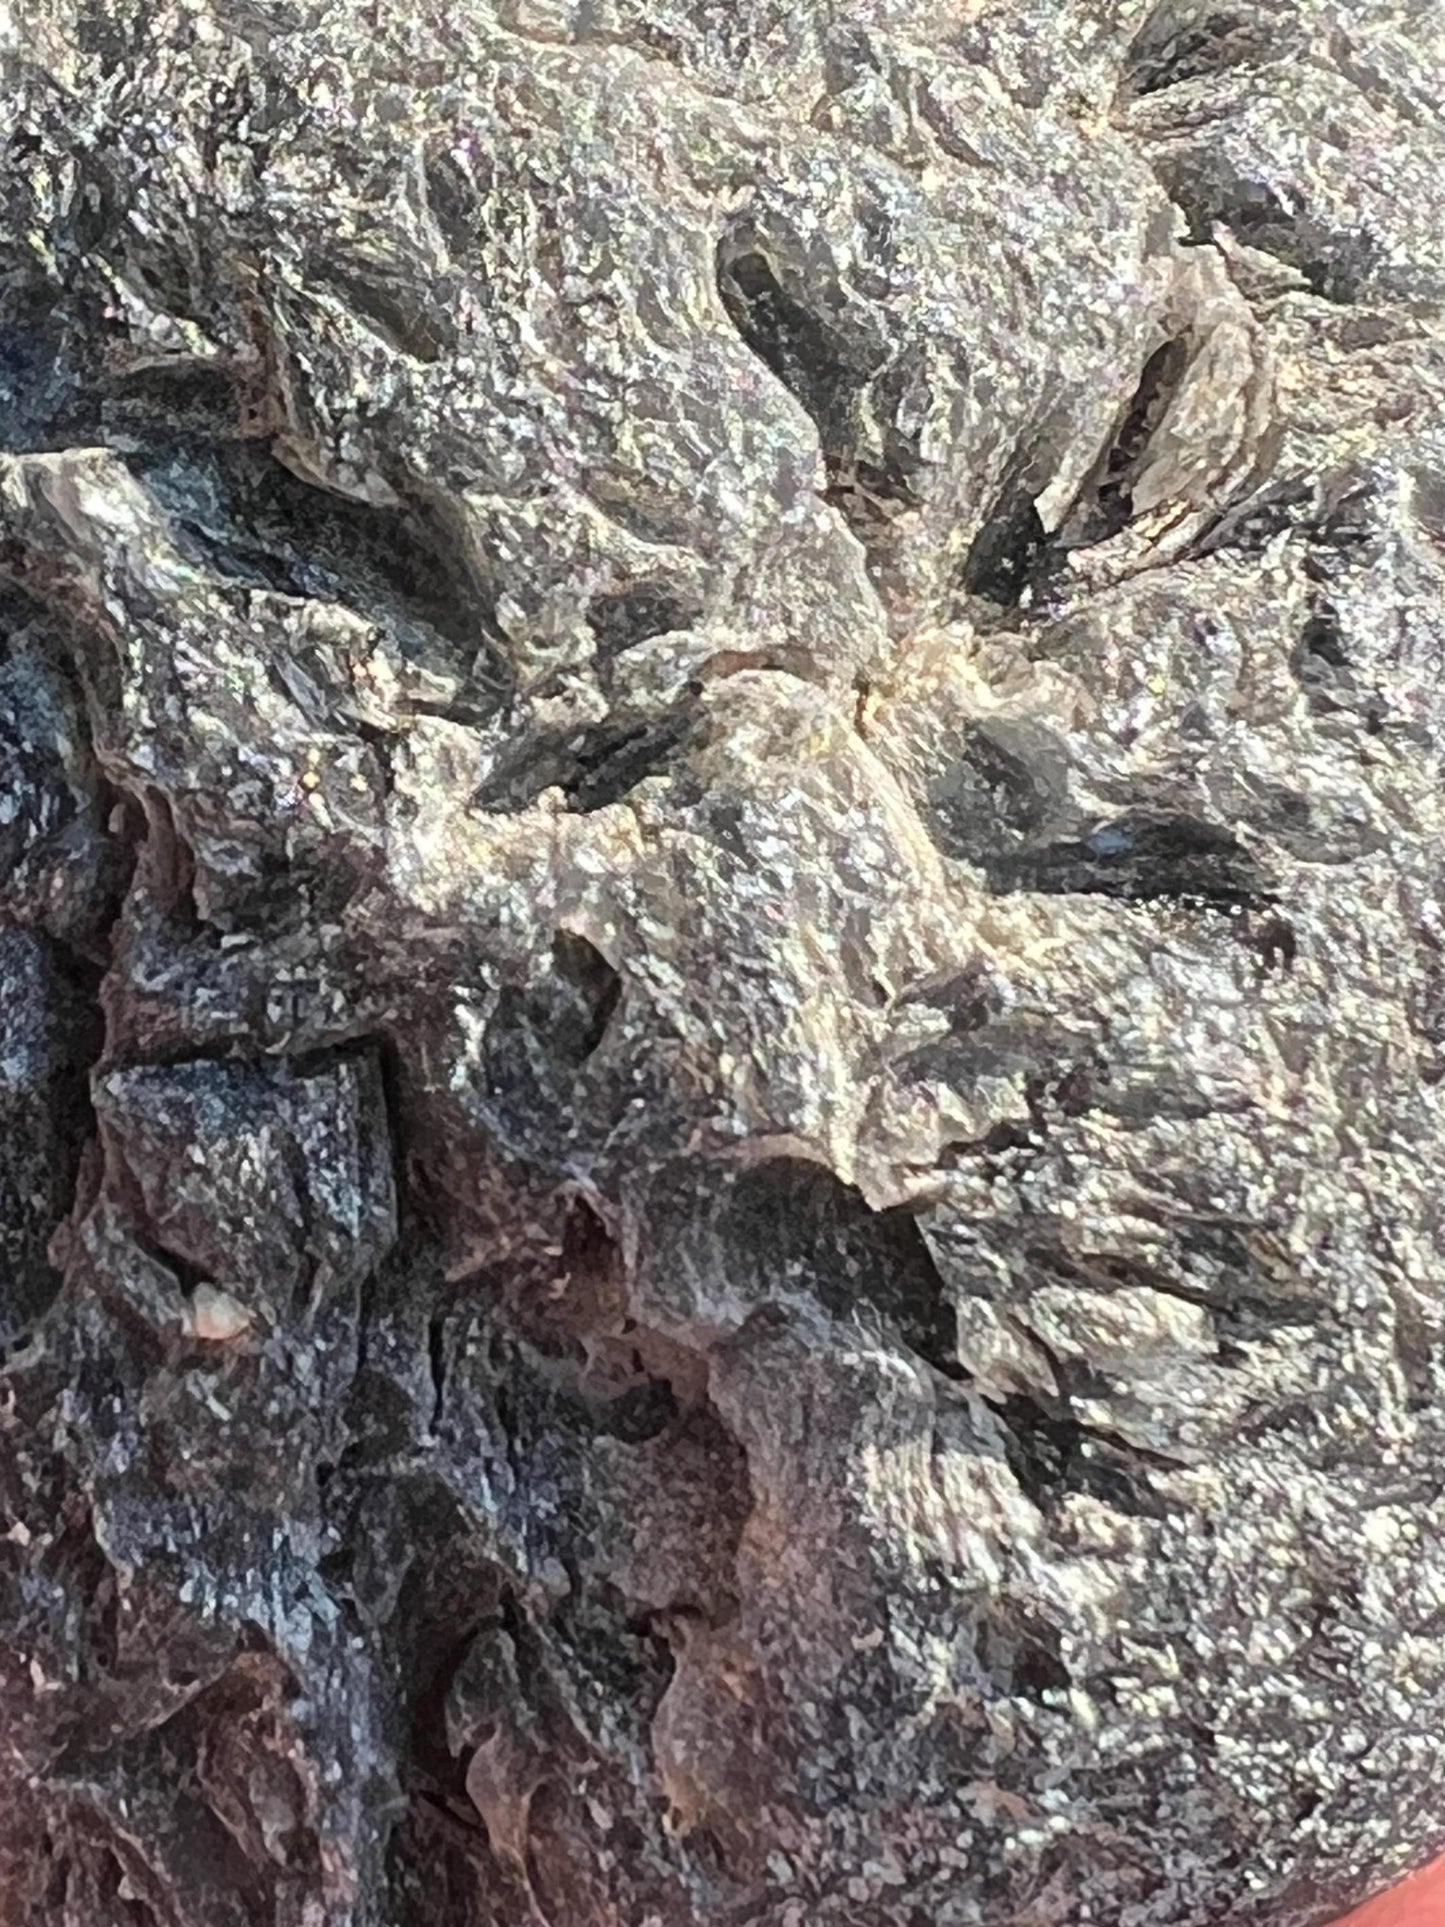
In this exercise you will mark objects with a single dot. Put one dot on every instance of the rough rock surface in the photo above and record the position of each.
(723, 962)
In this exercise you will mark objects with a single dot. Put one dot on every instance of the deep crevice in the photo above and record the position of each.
(1275, 944)
(1051, 1454)
(436, 1336)
(833, 369)
(592, 766)
(596, 989)
(540, 1038)
(246, 517)
(1321, 660)
(804, 350)
(800, 1229)
(1014, 562)
(1335, 265)
(1247, 529)
(1010, 556)
(1113, 507)
(238, 511)
(1170, 50)
(1038, 1667)
(640, 1413)
(1140, 858)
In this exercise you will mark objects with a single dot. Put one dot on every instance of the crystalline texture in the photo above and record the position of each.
(722, 965)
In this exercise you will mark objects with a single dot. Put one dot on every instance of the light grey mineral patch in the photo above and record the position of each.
(722, 961)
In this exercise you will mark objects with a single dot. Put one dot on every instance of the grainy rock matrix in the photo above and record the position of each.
(721, 961)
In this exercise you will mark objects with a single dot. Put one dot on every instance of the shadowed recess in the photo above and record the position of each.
(1138, 858)
(799, 1229)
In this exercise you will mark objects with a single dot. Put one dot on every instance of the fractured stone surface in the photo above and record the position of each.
(722, 962)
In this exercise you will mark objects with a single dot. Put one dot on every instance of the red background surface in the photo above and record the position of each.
(1418, 1902)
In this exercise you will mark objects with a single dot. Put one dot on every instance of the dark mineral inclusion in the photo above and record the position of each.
(722, 961)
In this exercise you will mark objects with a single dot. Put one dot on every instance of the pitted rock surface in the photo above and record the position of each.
(722, 962)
